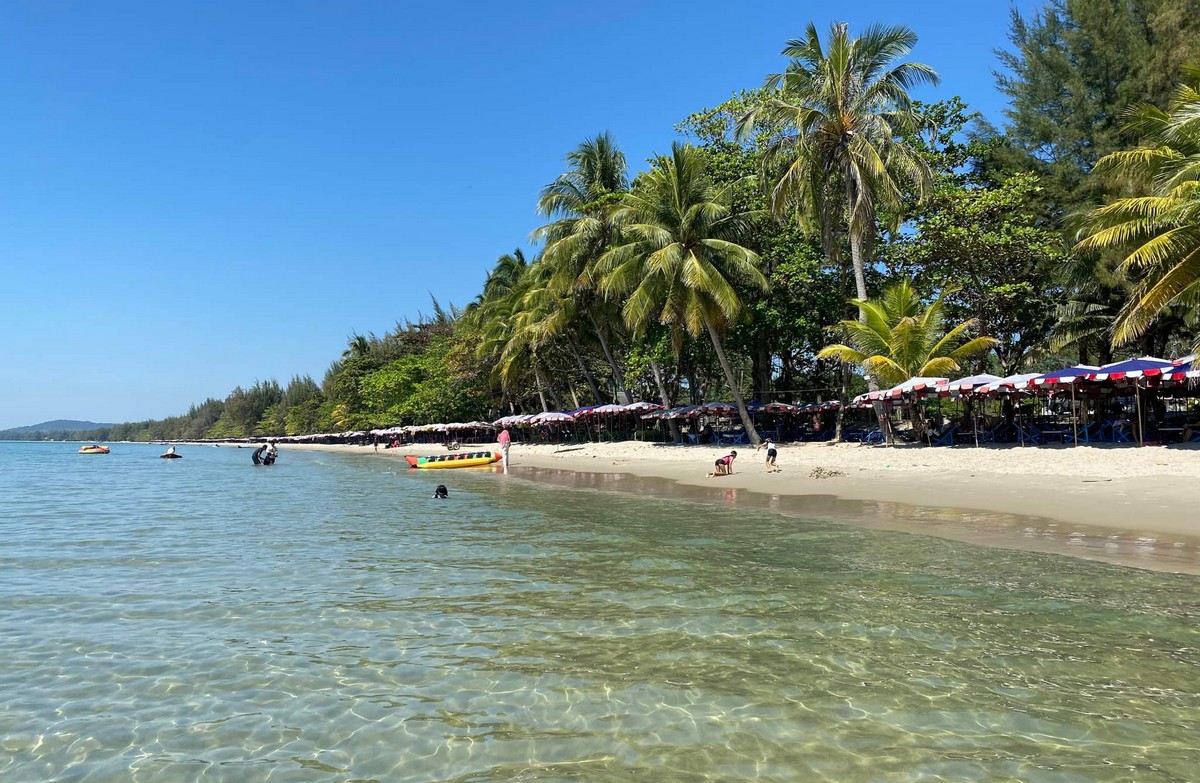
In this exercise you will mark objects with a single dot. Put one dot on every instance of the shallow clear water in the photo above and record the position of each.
(326, 620)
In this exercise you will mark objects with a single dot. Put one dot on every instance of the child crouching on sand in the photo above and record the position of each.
(724, 466)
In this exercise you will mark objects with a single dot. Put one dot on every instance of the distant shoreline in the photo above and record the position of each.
(1126, 505)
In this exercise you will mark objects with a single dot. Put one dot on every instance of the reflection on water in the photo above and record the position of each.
(324, 620)
(990, 528)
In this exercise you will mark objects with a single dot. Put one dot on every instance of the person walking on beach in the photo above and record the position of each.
(505, 440)
(724, 465)
(772, 453)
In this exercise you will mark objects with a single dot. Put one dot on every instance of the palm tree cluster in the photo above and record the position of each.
(693, 279)
(1157, 229)
(673, 250)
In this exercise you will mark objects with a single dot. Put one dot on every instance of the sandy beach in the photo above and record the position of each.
(1129, 505)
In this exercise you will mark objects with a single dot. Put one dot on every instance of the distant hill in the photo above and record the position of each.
(58, 425)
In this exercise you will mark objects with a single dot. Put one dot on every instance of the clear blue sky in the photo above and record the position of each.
(195, 196)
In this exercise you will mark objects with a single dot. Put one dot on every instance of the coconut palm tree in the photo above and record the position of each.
(581, 202)
(901, 338)
(1163, 228)
(836, 119)
(681, 262)
(548, 316)
(359, 346)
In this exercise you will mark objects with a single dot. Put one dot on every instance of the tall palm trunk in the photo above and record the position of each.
(859, 253)
(537, 377)
(587, 374)
(666, 400)
(733, 387)
(623, 396)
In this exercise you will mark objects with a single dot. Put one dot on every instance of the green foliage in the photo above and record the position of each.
(1160, 231)
(989, 244)
(436, 385)
(900, 338)
(1074, 68)
(245, 408)
(840, 118)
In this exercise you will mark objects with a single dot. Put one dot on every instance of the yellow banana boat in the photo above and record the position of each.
(468, 460)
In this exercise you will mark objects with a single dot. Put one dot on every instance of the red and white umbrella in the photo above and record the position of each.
(550, 417)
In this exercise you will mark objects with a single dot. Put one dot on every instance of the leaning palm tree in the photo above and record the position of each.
(581, 202)
(836, 119)
(682, 261)
(1162, 228)
(901, 337)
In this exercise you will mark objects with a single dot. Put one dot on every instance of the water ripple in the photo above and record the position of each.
(324, 620)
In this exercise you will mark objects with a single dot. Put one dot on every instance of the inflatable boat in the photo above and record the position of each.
(93, 450)
(472, 459)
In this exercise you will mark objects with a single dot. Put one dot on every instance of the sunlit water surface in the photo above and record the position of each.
(326, 620)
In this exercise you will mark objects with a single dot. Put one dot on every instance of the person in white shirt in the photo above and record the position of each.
(772, 453)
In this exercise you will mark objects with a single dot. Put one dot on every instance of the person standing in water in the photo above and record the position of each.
(505, 440)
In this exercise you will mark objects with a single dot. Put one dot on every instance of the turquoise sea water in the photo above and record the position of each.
(326, 620)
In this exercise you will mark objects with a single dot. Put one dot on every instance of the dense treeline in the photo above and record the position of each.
(724, 268)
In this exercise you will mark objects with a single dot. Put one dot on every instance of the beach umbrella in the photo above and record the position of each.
(1183, 369)
(1068, 375)
(1142, 367)
(917, 387)
(1135, 369)
(636, 407)
(967, 385)
(779, 407)
(550, 417)
(718, 408)
(683, 412)
(971, 382)
(1009, 384)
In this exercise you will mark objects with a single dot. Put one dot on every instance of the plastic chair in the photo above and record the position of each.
(1028, 433)
(946, 437)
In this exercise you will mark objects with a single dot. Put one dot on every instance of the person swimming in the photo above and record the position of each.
(441, 493)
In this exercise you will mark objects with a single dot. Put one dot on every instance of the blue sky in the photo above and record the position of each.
(195, 196)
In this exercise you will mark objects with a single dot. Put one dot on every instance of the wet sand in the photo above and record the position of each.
(1134, 507)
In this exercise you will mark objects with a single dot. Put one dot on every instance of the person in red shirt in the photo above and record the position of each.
(724, 465)
(504, 440)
